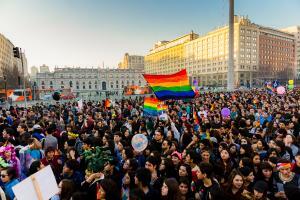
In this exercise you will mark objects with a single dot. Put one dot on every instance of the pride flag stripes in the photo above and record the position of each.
(150, 106)
(173, 86)
(153, 106)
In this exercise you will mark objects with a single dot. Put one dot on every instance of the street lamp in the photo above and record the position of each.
(5, 87)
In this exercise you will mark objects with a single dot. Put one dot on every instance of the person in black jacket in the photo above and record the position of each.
(156, 143)
(206, 185)
(142, 180)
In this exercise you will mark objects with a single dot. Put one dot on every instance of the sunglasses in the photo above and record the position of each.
(3, 175)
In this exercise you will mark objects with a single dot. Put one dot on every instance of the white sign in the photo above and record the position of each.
(39, 186)
(163, 117)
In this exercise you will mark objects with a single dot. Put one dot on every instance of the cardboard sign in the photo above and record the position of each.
(39, 186)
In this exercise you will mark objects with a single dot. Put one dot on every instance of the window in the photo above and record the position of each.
(83, 87)
(103, 85)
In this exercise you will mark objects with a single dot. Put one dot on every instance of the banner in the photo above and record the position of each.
(39, 186)
(136, 90)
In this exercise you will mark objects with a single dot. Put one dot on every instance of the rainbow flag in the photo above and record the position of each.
(162, 108)
(269, 87)
(173, 86)
(150, 106)
(195, 117)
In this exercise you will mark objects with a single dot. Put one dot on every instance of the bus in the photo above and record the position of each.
(16, 95)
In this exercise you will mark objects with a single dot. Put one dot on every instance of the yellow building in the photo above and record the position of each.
(6, 54)
(168, 56)
(205, 57)
(132, 62)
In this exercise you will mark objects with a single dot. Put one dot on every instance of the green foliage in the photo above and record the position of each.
(96, 158)
(3, 164)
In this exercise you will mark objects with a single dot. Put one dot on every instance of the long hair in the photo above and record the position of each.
(173, 189)
(67, 189)
(229, 185)
(169, 170)
(110, 188)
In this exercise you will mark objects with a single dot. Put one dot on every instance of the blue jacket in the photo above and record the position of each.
(8, 188)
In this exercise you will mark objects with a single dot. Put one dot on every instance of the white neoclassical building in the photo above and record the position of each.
(88, 81)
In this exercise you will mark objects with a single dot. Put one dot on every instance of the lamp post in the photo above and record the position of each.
(24, 86)
(230, 75)
(5, 87)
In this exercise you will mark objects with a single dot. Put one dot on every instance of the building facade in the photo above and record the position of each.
(6, 54)
(296, 31)
(88, 81)
(33, 71)
(11, 67)
(44, 69)
(276, 55)
(132, 62)
(168, 56)
(206, 57)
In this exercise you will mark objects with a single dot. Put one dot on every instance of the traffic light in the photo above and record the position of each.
(16, 52)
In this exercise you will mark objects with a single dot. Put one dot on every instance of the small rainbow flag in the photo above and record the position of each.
(162, 108)
(269, 88)
(195, 117)
(173, 86)
(150, 106)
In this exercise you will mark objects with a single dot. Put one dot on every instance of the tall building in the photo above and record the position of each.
(132, 62)
(206, 57)
(25, 65)
(296, 31)
(6, 54)
(11, 67)
(88, 81)
(44, 68)
(276, 54)
(168, 56)
(33, 71)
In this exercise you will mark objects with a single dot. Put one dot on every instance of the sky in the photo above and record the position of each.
(86, 33)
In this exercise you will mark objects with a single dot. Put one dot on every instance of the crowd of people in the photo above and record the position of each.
(197, 153)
